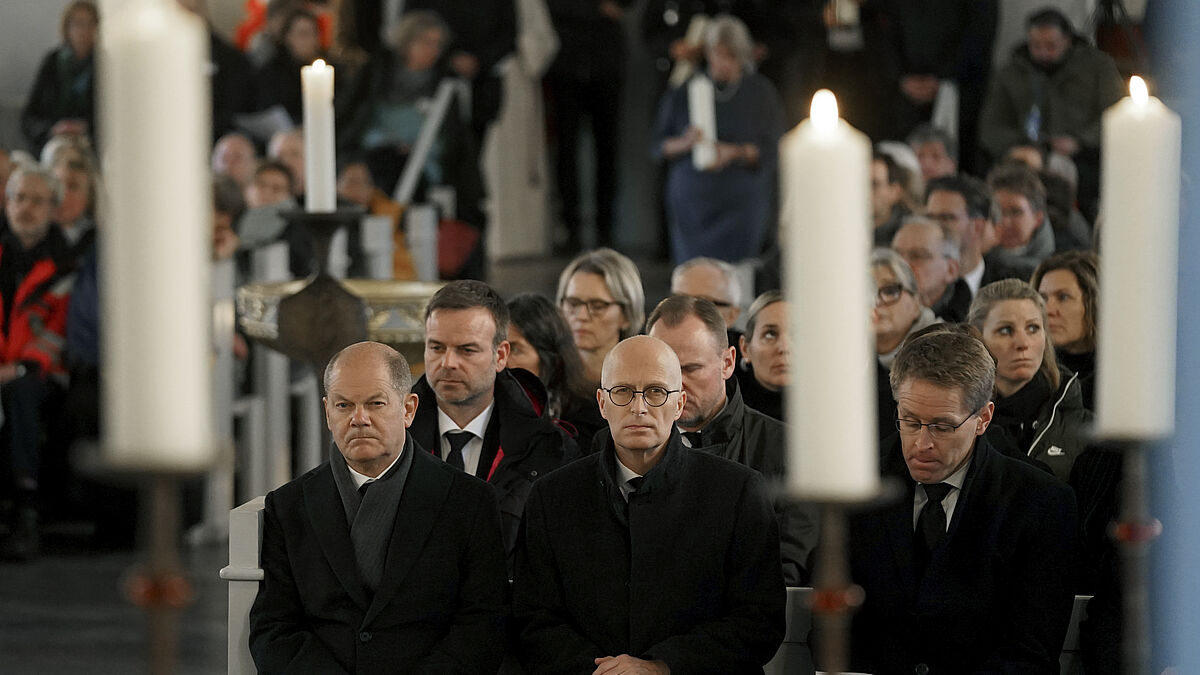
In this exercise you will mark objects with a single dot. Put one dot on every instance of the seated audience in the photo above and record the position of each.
(763, 371)
(724, 210)
(889, 198)
(287, 148)
(62, 100)
(1039, 407)
(542, 344)
(356, 186)
(599, 586)
(897, 314)
(383, 558)
(716, 281)
(963, 204)
(1023, 234)
(278, 80)
(932, 252)
(937, 152)
(476, 416)
(35, 262)
(234, 156)
(1069, 283)
(716, 420)
(972, 570)
(76, 213)
(1052, 93)
(600, 295)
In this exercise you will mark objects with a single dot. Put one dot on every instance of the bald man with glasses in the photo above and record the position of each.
(648, 557)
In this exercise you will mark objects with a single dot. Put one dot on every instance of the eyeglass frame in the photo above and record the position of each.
(936, 429)
(570, 305)
(634, 392)
(900, 289)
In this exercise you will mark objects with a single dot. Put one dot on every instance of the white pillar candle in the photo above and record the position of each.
(1135, 366)
(156, 238)
(320, 173)
(702, 114)
(832, 442)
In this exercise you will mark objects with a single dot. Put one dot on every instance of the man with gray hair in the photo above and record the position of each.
(933, 253)
(384, 558)
(35, 282)
(717, 282)
(972, 570)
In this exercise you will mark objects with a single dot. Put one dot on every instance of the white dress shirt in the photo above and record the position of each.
(955, 479)
(474, 447)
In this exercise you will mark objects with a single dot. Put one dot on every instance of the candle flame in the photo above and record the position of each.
(824, 112)
(319, 64)
(1138, 91)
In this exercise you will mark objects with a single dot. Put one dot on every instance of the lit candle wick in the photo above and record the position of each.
(1138, 91)
(824, 112)
(319, 64)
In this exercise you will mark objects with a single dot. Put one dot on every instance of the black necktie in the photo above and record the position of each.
(458, 440)
(635, 483)
(693, 438)
(362, 489)
(931, 524)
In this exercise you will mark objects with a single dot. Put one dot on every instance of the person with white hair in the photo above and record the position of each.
(724, 210)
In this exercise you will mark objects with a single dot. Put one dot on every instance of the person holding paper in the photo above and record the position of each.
(721, 208)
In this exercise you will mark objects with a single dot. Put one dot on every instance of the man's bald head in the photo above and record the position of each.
(397, 365)
(641, 353)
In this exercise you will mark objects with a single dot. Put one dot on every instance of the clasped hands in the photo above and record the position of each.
(628, 665)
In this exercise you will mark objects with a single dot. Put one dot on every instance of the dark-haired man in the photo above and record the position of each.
(382, 559)
(972, 570)
(646, 557)
(716, 419)
(477, 417)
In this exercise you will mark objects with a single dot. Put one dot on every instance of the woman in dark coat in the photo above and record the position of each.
(723, 211)
(1039, 407)
(62, 100)
(764, 369)
(279, 77)
(1069, 281)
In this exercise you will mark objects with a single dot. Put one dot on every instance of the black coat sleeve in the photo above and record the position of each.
(281, 640)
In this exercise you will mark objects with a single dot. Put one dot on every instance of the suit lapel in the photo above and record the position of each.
(425, 492)
(328, 520)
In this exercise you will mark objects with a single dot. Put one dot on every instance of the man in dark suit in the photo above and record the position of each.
(973, 569)
(648, 557)
(383, 559)
(963, 204)
(478, 418)
(717, 420)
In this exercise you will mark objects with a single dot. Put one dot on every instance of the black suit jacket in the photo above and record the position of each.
(519, 446)
(997, 594)
(688, 572)
(440, 607)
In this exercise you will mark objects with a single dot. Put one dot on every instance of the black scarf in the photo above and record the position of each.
(1017, 413)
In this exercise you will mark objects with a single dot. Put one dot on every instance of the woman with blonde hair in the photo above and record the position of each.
(601, 297)
(1039, 406)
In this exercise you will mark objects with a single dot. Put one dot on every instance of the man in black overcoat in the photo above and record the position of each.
(648, 557)
(972, 570)
(383, 559)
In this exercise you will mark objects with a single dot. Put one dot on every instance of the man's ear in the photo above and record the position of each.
(325, 404)
(411, 402)
(600, 401)
(985, 418)
(502, 351)
(728, 362)
(679, 404)
(952, 269)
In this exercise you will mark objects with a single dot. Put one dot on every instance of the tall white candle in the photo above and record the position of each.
(320, 171)
(156, 238)
(1135, 365)
(832, 442)
(702, 114)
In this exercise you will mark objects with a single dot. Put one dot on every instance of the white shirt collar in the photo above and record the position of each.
(975, 277)
(477, 426)
(361, 479)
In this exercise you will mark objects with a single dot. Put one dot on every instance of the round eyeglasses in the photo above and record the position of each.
(889, 294)
(653, 396)
(936, 429)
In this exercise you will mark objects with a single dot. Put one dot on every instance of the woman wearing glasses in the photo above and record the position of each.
(896, 314)
(601, 297)
(765, 364)
(1039, 406)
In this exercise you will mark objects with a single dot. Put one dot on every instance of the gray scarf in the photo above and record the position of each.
(372, 516)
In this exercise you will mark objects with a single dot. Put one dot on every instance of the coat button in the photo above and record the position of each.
(533, 474)
(365, 636)
(921, 669)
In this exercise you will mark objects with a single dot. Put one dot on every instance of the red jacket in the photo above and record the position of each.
(37, 323)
